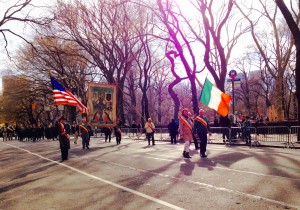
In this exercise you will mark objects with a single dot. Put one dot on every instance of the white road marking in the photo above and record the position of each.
(222, 168)
(103, 180)
(204, 185)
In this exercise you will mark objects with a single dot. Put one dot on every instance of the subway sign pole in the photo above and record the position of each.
(232, 74)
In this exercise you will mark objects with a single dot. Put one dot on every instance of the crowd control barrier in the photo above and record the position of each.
(253, 136)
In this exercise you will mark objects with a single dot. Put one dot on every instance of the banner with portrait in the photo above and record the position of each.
(102, 104)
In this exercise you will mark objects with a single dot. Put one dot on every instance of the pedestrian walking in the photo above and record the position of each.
(118, 134)
(107, 133)
(150, 130)
(4, 132)
(201, 128)
(75, 131)
(173, 130)
(91, 133)
(186, 132)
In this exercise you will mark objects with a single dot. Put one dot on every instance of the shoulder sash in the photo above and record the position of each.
(150, 126)
(84, 128)
(202, 121)
(186, 123)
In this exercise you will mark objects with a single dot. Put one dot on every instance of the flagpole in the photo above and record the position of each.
(199, 83)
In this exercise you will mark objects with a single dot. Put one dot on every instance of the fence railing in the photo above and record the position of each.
(253, 136)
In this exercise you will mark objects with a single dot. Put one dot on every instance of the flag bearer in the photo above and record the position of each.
(64, 139)
(201, 128)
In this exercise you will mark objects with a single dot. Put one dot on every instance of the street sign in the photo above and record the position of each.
(236, 80)
(232, 74)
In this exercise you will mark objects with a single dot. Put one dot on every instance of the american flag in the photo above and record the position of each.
(62, 96)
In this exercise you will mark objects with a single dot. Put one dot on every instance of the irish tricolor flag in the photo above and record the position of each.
(214, 98)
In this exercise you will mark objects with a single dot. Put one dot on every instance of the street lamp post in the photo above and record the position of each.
(232, 74)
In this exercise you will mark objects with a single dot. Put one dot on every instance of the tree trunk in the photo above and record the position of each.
(297, 73)
(159, 114)
(175, 99)
(133, 103)
(194, 96)
(278, 101)
(120, 104)
(296, 34)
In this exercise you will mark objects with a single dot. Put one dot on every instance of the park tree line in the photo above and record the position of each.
(157, 53)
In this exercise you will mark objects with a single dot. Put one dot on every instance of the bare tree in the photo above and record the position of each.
(179, 40)
(60, 59)
(171, 55)
(217, 53)
(255, 85)
(19, 96)
(292, 18)
(273, 44)
(208, 32)
(160, 86)
(106, 31)
(20, 12)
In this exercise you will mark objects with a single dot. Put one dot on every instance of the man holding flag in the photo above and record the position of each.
(201, 128)
(64, 139)
(214, 99)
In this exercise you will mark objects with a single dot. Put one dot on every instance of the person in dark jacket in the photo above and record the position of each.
(84, 132)
(107, 133)
(225, 124)
(118, 134)
(173, 130)
(201, 128)
(64, 139)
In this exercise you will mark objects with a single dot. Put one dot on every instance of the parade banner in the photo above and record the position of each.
(102, 104)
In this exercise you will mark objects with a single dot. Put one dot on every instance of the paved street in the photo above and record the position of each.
(134, 176)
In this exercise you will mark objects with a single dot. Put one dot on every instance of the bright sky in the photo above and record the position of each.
(15, 43)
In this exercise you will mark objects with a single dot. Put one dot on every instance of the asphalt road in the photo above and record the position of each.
(135, 176)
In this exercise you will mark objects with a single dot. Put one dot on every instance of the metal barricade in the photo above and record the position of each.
(294, 136)
(125, 133)
(163, 134)
(246, 135)
(219, 134)
(279, 134)
(133, 132)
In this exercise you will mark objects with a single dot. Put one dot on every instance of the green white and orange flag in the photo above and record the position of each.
(215, 98)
